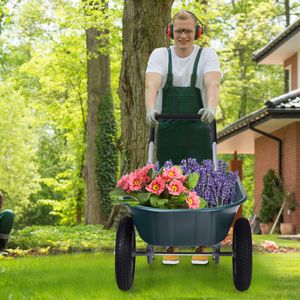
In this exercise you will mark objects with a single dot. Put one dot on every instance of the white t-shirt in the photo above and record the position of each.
(182, 69)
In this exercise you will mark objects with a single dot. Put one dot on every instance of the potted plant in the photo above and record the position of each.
(290, 205)
(272, 197)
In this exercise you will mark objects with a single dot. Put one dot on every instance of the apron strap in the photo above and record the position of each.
(194, 74)
(170, 74)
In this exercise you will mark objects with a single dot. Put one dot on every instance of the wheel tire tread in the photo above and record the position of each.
(242, 273)
(123, 251)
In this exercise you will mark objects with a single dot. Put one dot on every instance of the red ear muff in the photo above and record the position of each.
(170, 32)
(198, 32)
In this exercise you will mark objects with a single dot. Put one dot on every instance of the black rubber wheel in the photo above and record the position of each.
(124, 261)
(150, 259)
(242, 254)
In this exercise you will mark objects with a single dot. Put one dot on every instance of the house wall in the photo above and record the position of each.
(266, 157)
(292, 64)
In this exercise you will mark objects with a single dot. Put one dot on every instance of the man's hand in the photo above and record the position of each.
(208, 114)
(150, 117)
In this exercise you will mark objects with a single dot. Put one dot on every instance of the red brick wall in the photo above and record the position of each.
(266, 157)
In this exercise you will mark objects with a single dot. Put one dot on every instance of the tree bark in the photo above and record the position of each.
(287, 13)
(98, 84)
(144, 28)
(244, 89)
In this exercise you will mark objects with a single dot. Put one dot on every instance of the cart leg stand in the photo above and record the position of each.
(150, 254)
(242, 254)
(124, 254)
(217, 249)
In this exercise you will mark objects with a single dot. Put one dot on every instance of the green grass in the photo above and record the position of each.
(258, 239)
(91, 276)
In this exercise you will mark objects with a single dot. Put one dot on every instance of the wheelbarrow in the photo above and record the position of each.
(184, 228)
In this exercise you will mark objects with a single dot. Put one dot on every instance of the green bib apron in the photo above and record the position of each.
(179, 139)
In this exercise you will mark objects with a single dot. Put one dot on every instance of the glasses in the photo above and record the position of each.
(186, 31)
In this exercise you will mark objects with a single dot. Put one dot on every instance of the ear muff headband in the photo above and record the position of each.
(198, 29)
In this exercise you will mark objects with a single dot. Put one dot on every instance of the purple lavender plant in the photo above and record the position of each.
(216, 187)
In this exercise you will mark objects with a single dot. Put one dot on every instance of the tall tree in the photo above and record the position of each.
(144, 26)
(98, 87)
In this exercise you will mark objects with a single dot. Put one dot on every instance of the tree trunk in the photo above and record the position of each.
(144, 28)
(244, 89)
(98, 84)
(287, 12)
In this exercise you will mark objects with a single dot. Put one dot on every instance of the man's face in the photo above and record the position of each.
(184, 33)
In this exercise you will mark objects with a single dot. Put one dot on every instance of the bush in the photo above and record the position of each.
(272, 197)
(65, 238)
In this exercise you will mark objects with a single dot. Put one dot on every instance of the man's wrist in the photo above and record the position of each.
(212, 109)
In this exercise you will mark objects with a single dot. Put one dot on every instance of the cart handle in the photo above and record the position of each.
(212, 126)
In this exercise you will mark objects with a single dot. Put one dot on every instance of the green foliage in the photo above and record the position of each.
(272, 197)
(192, 180)
(18, 175)
(65, 238)
(291, 202)
(68, 238)
(106, 156)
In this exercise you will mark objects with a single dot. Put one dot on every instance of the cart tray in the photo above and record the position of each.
(186, 227)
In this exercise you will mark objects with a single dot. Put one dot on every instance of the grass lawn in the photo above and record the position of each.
(91, 276)
(259, 238)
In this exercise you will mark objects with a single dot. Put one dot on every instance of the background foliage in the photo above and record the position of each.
(43, 92)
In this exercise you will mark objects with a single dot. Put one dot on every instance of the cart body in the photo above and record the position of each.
(186, 227)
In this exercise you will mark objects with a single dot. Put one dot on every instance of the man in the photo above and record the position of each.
(183, 79)
(6, 222)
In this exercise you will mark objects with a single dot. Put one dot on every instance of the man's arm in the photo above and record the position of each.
(153, 82)
(212, 84)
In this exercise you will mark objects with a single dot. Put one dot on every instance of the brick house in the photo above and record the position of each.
(272, 133)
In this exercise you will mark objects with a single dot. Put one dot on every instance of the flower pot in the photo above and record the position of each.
(265, 228)
(287, 228)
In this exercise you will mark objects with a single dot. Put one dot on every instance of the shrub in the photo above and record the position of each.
(272, 196)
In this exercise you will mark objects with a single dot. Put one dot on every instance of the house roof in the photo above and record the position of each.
(285, 44)
(277, 113)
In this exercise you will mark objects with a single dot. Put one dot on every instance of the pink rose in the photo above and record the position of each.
(175, 187)
(193, 200)
(157, 186)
